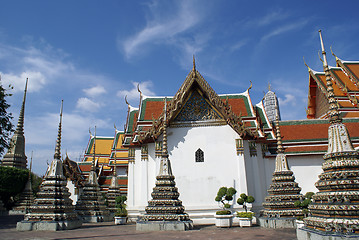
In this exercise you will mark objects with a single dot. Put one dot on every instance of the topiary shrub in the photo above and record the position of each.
(225, 196)
(245, 214)
(244, 200)
(121, 206)
(304, 204)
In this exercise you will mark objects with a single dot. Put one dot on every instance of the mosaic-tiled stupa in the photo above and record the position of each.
(26, 198)
(52, 209)
(15, 155)
(165, 211)
(113, 190)
(279, 206)
(90, 204)
(335, 208)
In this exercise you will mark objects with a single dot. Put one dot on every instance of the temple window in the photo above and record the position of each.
(199, 155)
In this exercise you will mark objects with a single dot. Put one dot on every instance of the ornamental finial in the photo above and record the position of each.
(57, 154)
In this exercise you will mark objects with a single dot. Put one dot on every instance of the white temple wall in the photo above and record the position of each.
(72, 190)
(306, 170)
(198, 182)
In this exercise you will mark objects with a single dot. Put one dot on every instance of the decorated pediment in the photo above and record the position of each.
(197, 108)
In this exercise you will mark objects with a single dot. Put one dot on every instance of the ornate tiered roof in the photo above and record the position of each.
(145, 124)
(106, 147)
(335, 207)
(283, 191)
(15, 156)
(345, 88)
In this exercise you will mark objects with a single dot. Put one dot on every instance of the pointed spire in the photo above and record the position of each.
(94, 152)
(114, 168)
(164, 146)
(194, 67)
(280, 148)
(32, 152)
(333, 105)
(57, 154)
(268, 86)
(20, 123)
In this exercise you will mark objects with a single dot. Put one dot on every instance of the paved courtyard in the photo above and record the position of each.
(107, 230)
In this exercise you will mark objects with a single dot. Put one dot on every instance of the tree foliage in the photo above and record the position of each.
(6, 127)
(225, 194)
(13, 181)
(244, 200)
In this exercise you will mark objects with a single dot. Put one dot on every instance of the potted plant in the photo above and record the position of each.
(245, 218)
(121, 213)
(304, 206)
(224, 197)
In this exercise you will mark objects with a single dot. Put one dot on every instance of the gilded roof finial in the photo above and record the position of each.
(331, 50)
(127, 101)
(20, 123)
(309, 69)
(268, 86)
(334, 115)
(250, 87)
(57, 154)
(32, 152)
(280, 148)
(138, 89)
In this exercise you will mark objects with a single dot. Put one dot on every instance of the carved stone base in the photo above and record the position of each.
(164, 225)
(267, 222)
(95, 219)
(310, 234)
(47, 226)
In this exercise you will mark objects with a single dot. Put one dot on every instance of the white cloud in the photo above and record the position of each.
(95, 91)
(289, 99)
(162, 27)
(86, 104)
(133, 93)
(284, 29)
(36, 81)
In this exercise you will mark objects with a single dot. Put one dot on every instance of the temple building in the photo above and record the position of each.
(106, 162)
(225, 140)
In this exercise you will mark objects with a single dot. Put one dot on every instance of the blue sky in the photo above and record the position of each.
(93, 53)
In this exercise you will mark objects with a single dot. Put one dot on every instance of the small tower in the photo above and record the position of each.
(114, 189)
(165, 210)
(91, 205)
(271, 105)
(15, 156)
(52, 209)
(26, 199)
(334, 210)
(280, 211)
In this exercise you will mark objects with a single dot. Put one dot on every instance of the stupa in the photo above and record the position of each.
(165, 210)
(91, 205)
(113, 190)
(15, 155)
(52, 209)
(26, 199)
(335, 208)
(280, 211)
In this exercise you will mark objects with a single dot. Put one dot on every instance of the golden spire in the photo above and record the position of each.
(268, 86)
(333, 105)
(57, 154)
